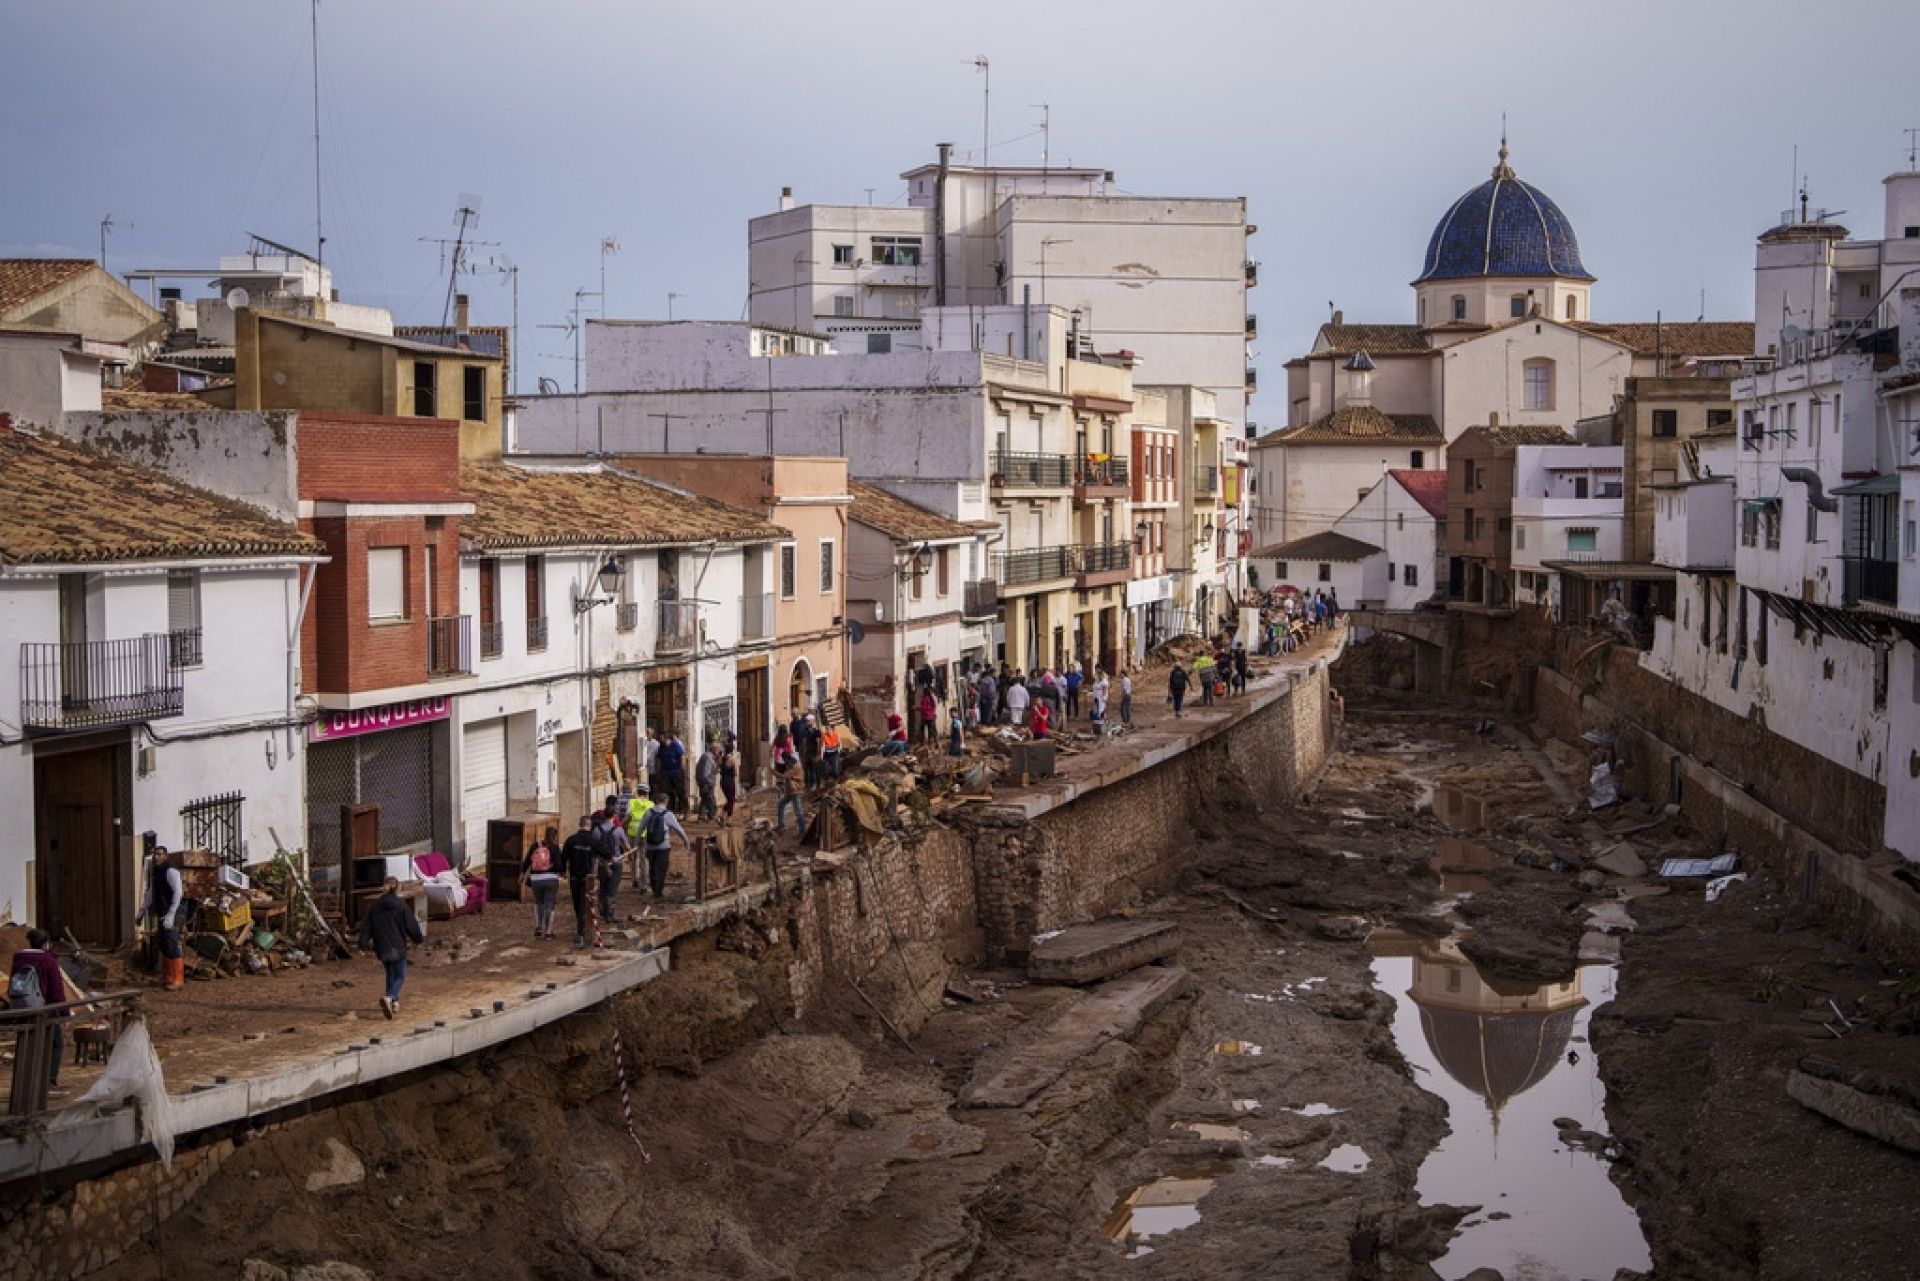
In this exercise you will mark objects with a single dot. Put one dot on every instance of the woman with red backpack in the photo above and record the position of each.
(541, 871)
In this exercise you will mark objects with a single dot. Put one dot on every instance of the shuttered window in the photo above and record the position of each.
(387, 582)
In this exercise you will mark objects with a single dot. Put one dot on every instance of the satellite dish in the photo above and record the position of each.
(238, 298)
(855, 632)
(1792, 333)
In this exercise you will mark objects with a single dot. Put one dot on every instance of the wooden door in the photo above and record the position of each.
(79, 883)
(750, 698)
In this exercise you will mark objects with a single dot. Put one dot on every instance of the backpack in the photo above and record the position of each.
(23, 989)
(656, 828)
(542, 858)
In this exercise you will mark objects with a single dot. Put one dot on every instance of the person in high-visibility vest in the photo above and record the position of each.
(830, 751)
(637, 808)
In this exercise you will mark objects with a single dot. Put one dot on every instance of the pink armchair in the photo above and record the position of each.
(439, 898)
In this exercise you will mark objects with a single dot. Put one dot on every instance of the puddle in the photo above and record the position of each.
(1213, 1133)
(1275, 1163)
(1244, 1106)
(1497, 1054)
(1288, 991)
(1236, 1047)
(1457, 862)
(1348, 1158)
(1316, 1109)
(1166, 1204)
(1459, 809)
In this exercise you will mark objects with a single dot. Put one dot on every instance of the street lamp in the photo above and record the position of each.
(918, 562)
(608, 581)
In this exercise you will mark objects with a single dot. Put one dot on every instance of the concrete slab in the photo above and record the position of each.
(1113, 1011)
(1090, 953)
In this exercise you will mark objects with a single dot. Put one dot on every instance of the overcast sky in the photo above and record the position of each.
(1665, 131)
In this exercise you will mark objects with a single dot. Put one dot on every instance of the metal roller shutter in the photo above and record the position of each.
(483, 782)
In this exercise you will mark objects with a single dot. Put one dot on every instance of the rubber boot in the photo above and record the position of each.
(176, 973)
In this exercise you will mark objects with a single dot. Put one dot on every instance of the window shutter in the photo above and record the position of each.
(183, 600)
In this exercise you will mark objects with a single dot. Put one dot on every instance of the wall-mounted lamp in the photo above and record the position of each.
(918, 562)
(608, 581)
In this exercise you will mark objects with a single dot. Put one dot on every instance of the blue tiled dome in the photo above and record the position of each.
(1503, 227)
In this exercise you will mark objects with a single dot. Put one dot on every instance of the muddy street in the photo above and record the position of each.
(1407, 1027)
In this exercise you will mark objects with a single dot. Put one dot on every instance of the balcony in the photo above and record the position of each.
(1870, 580)
(183, 647)
(980, 599)
(90, 684)
(626, 616)
(1098, 564)
(450, 645)
(1253, 326)
(1206, 482)
(1094, 480)
(1042, 564)
(536, 634)
(756, 616)
(1031, 471)
(1253, 273)
(492, 639)
(679, 627)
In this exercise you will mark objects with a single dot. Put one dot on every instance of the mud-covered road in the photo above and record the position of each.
(1403, 1050)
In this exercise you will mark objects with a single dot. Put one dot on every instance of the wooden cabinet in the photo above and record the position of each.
(508, 840)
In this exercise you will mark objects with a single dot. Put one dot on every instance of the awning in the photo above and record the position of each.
(1871, 487)
(1608, 571)
(1761, 504)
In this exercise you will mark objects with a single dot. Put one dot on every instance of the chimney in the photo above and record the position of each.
(1493, 419)
(940, 225)
(459, 315)
(786, 199)
(1339, 318)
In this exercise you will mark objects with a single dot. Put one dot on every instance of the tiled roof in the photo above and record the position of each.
(1503, 227)
(1523, 434)
(140, 398)
(1684, 338)
(895, 517)
(1361, 425)
(1428, 488)
(24, 279)
(1325, 545)
(593, 506)
(1391, 340)
(61, 504)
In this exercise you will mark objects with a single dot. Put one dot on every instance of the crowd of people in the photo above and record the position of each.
(1289, 619)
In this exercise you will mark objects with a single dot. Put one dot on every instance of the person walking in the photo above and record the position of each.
(793, 786)
(812, 751)
(578, 858)
(1073, 682)
(989, 692)
(657, 838)
(1203, 673)
(1017, 700)
(673, 771)
(650, 774)
(730, 776)
(1239, 669)
(1126, 699)
(162, 908)
(1177, 680)
(541, 872)
(613, 843)
(387, 928)
(956, 733)
(706, 776)
(34, 980)
(929, 717)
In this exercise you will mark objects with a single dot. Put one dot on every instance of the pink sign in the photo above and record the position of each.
(371, 720)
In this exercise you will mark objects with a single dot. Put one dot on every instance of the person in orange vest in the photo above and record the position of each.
(830, 751)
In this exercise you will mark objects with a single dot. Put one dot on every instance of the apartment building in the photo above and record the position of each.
(1480, 497)
(1569, 506)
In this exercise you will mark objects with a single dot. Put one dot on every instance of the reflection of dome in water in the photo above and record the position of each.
(1497, 1039)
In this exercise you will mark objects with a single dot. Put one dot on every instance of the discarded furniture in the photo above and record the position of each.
(508, 840)
(439, 899)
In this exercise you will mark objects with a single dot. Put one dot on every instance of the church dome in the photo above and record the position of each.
(1503, 227)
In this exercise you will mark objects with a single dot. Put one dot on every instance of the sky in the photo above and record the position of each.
(1666, 132)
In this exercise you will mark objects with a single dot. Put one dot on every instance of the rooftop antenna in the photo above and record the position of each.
(1703, 302)
(869, 191)
(985, 68)
(319, 230)
(1793, 179)
(106, 225)
(501, 264)
(1046, 135)
(1913, 148)
(469, 214)
(670, 299)
(608, 247)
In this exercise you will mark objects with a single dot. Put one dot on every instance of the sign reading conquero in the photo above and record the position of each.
(335, 723)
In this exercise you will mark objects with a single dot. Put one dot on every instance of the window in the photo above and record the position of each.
(879, 344)
(1666, 422)
(1417, 459)
(1583, 540)
(1410, 575)
(788, 557)
(843, 304)
(1770, 523)
(473, 393)
(826, 565)
(423, 398)
(1326, 572)
(896, 251)
(843, 255)
(1814, 406)
(536, 593)
(1750, 428)
(183, 617)
(1459, 306)
(916, 577)
(1400, 520)
(1538, 374)
(1390, 571)
(1573, 308)
(1280, 569)
(1740, 631)
(1466, 475)
(1520, 538)
(386, 583)
(1469, 526)
(1503, 525)
(1579, 486)
(1750, 526)
(213, 823)
(941, 559)
(1610, 489)
(1793, 418)
(1909, 532)
(1517, 305)
(1813, 522)
(1719, 417)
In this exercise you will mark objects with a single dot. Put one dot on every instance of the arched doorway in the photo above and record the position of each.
(799, 688)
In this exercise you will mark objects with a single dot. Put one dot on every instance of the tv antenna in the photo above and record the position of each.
(106, 225)
(319, 229)
(1046, 135)
(1913, 148)
(609, 246)
(985, 68)
(671, 296)
(469, 215)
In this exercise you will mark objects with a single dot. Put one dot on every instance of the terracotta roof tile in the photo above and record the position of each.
(593, 506)
(1393, 340)
(895, 517)
(61, 504)
(1361, 425)
(1523, 434)
(1325, 545)
(1428, 488)
(1681, 338)
(134, 398)
(24, 279)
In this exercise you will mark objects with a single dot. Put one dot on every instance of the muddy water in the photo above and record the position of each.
(1499, 1057)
